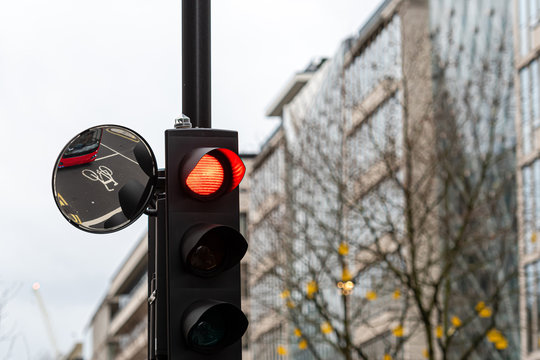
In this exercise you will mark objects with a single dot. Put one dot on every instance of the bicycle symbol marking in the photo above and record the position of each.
(103, 174)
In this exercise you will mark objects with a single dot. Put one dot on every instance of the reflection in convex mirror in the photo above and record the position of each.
(104, 178)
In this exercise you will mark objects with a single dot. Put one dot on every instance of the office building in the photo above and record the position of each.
(526, 53)
(327, 189)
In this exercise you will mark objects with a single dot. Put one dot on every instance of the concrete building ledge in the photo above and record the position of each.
(376, 98)
(127, 270)
(136, 350)
(125, 318)
(268, 323)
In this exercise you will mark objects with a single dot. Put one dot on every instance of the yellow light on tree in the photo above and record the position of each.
(346, 274)
(485, 313)
(439, 331)
(494, 335)
(343, 249)
(302, 345)
(281, 350)
(456, 321)
(371, 295)
(479, 306)
(483, 310)
(501, 344)
(398, 331)
(326, 328)
(312, 288)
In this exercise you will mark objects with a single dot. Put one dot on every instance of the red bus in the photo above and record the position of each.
(83, 149)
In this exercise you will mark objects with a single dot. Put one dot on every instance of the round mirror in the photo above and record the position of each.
(104, 178)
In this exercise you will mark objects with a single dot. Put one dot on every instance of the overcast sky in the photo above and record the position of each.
(66, 65)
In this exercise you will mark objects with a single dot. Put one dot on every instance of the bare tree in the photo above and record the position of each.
(396, 233)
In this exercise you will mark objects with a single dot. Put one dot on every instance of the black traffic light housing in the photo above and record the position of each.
(204, 245)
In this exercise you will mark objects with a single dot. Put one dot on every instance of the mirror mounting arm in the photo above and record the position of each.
(159, 193)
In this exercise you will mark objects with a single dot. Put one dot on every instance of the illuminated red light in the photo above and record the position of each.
(207, 176)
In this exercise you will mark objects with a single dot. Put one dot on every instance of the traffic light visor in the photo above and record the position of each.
(209, 249)
(210, 325)
(210, 172)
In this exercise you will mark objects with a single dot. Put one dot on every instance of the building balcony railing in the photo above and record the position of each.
(131, 312)
(124, 299)
(133, 345)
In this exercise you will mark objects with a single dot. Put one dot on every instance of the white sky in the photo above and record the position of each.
(66, 65)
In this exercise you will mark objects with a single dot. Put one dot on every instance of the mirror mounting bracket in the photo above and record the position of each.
(159, 193)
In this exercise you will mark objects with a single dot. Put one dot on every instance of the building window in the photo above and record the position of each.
(267, 180)
(523, 27)
(534, 12)
(379, 136)
(244, 270)
(369, 68)
(532, 272)
(381, 345)
(535, 92)
(531, 207)
(267, 344)
(525, 111)
(243, 224)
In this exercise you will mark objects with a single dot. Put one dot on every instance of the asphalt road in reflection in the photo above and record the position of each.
(88, 194)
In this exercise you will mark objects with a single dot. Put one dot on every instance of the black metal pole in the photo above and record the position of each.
(196, 84)
(151, 286)
(160, 312)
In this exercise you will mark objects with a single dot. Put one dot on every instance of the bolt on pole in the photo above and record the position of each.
(196, 63)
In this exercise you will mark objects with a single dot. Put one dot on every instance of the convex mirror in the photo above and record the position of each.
(104, 178)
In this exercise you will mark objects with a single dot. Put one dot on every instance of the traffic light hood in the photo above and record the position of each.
(209, 249)
(210, 325)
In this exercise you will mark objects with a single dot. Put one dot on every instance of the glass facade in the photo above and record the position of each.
(474, 75)
(531, 206)
(380, 60)
(380, 134)
(529, 19)
(380, 346)
(316, 206)
(532, 296)
(268, 179)
(529, 128)
(266, 193)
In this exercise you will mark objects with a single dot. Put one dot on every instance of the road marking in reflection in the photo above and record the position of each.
(76, 219)
(61, 200)
(102, 218)
(103, 174)
(122, 133)
(117, 153)
(63, 203)
(105, 157)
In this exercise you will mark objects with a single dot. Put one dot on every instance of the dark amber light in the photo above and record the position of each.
(207, 176)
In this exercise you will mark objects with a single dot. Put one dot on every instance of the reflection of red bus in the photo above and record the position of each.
(83, 149)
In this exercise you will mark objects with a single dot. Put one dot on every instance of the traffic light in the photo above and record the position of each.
(204, 246)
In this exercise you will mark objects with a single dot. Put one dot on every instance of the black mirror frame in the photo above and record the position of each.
(152, 182)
